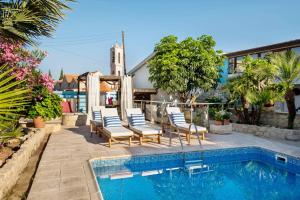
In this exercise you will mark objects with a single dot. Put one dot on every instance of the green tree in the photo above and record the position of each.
(61, 76)
(288, 72)
(182, 68)
(253, 89)
(23, 21)
(49, 73)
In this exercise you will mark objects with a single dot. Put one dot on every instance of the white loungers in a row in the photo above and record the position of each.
(110, 125)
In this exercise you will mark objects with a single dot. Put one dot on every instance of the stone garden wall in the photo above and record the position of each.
(278, 119)
(74, 119)
(267, 131)
(11, 170)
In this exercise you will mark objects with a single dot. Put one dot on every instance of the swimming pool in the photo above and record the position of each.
(237, 173)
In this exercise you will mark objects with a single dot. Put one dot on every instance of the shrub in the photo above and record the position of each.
(45, 104)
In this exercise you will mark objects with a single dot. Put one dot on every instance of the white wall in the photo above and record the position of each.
(140, 78)
(282, 107)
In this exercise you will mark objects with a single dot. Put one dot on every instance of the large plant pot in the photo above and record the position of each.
(218, 123)
(226, 122)
(38, 122)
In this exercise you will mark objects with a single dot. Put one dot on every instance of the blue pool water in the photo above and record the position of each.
(239, 173)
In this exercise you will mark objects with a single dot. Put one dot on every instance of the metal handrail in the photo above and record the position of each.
(186, 104)
(179, 103)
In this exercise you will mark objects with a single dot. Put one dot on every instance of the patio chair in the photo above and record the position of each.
(177, 121)
(137, 123)
(96, 122)
(112, 127)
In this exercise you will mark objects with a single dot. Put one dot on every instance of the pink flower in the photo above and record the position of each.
(46, 81)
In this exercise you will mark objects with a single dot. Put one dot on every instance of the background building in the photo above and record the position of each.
(144, 90)
(116, 60)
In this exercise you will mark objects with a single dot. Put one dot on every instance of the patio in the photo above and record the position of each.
(64, 172)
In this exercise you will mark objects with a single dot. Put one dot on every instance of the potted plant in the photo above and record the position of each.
(45, 106)
(226, 118)
(218, 118)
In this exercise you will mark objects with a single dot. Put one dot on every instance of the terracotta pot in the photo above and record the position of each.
(226, 122)
(218, 123)
(38, 122)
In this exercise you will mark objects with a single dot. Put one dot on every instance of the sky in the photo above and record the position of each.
(82, 40)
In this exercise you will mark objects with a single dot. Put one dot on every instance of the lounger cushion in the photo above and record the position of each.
(178, 118)
(118, 131)
(112, 121)
(97, 116)
(146, 130)
(96, 123)
(138, 120)
(186, 127)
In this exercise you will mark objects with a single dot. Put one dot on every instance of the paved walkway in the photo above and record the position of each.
(64, 172)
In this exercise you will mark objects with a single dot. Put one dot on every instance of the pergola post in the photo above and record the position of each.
(78, 93)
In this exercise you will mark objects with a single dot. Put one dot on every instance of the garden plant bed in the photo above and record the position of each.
(14, 166)
(268, 131)
(17, 161)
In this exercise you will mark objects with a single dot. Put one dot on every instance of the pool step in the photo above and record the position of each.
(196, 165)
(193, 164)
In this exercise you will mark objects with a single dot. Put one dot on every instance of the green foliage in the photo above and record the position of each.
(215, 107)
(218, 116)
(45, 104)
(23, 21)
(222, 115)
(13, 97)
(49, 73)
(61, 76)
(287, 65)
(183, 67)
(9, 130)
(253, 89)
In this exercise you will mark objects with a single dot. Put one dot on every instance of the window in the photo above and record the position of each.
(296, 50)
(119, 74)
(238, 66)
(113, 56)
(231, 65)
(254, 56)
(119, 58)
(264, 54)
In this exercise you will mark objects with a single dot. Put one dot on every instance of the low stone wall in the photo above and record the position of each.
(268, 132)
(11, 170)
(74, 119)
(278, 119)
(220, 129)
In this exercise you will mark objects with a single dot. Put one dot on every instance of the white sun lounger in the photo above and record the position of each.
(96, 121)
(188, 129)
(117, 131)
(143, 131)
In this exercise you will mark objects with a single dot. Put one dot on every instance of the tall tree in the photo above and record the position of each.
(61, 76)
(49, 73)
(23, 21)
(184, 67)
(288, 66)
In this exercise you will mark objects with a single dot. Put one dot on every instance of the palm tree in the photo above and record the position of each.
(288, 72)
(252, 89)
(23, 21)
(13, 97)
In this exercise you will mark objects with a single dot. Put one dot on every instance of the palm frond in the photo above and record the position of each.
(13, 97)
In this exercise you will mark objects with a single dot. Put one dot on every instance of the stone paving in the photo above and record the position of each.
(64, 171)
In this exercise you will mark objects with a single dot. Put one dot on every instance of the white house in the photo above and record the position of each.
(142, 88)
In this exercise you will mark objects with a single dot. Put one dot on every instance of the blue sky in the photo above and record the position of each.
(82, 41)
